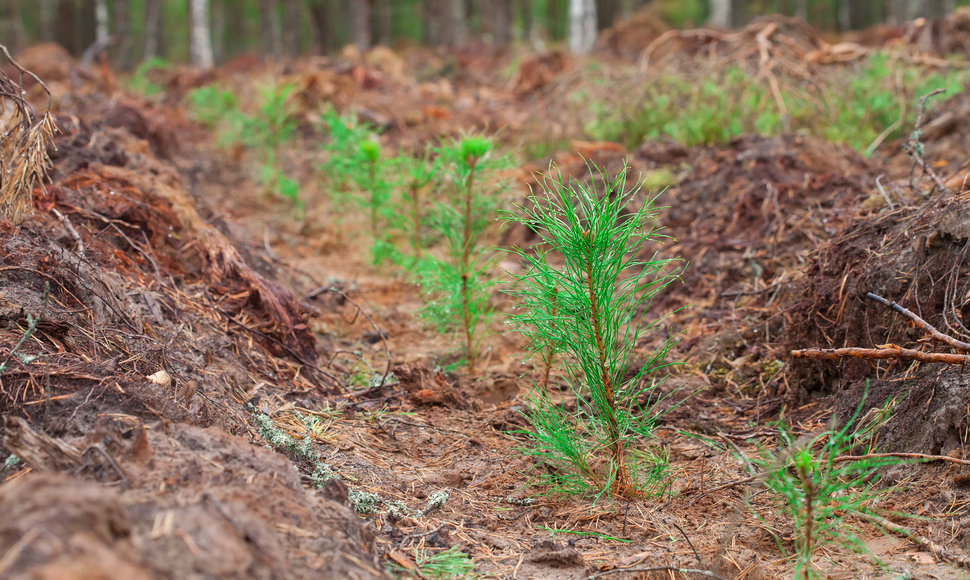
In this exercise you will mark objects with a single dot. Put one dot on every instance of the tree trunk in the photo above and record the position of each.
(844, 15)
(322, 36)
(383, 14)
(200, 45)
(47, 10)
(720, 13)
(292, 18)
(101, 30)
(13, 28)
(502, 23)
(361, 21)
(457, 30)
(529, 29)
(269, 23)
(123, 32)
(153, 28)
(606, 13)
(801, 9)
(582, 25)
(219, 49)
(86, 24)
(432, 21)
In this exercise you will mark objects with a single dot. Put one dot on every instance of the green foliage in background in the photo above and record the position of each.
(584, 293)
(818, 490)
(217, 109)
(344, 158)
(140, 82)
(360, 175)
(458, 283)
(265, 133)
(702, 109)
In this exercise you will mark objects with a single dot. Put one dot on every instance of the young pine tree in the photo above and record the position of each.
(584, 295)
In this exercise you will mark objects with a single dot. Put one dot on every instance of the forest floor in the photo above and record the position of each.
(163, 252)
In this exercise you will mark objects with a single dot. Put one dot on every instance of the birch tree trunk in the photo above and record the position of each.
(582, 25)
(200, 46)
(101, 27)
(720, 13)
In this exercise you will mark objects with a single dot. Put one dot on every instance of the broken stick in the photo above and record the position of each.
(890, 351)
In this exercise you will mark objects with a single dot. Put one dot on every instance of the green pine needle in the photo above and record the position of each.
(584, 294)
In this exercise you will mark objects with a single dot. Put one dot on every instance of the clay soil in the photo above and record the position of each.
(179, 301)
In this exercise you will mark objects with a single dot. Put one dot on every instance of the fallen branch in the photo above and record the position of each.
(945, 338)
(891, 351)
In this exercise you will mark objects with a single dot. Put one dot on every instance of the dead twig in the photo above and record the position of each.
(889, 351)
(945, 338)
(70, 229)
(914, 148)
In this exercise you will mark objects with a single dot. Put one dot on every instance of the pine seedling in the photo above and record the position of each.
(583, 295)
(360, 173)
(460, 283)
(267, 132)
(818, 489)
(449, 564)
(342, 159)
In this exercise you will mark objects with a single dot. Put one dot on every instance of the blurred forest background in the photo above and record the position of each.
(208, 32)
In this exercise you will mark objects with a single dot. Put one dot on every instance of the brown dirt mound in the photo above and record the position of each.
(627, 38)
(915, 256)
(180, 513)
(137, 282)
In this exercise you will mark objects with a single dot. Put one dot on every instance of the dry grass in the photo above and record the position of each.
(25, 139)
